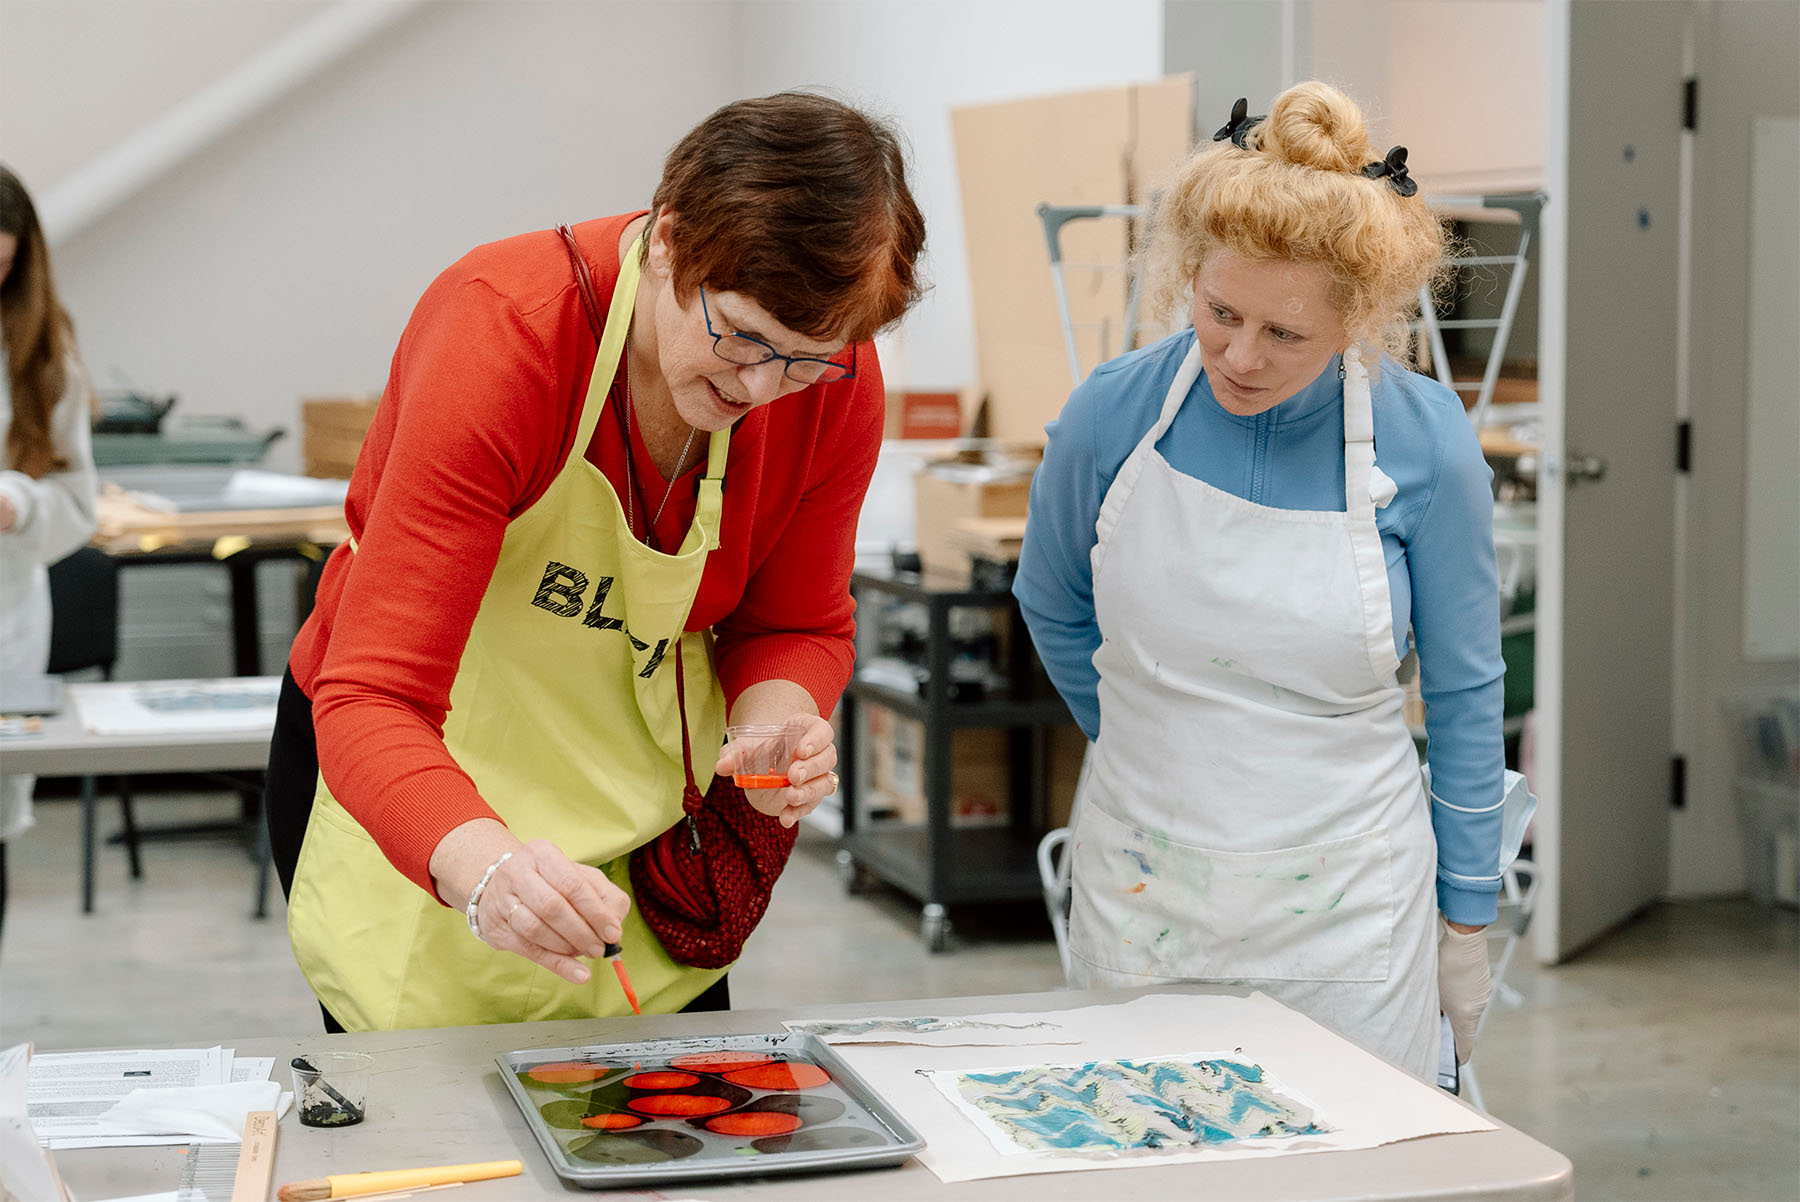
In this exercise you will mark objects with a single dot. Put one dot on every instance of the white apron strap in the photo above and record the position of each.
(1359, 508)
(1126, 481)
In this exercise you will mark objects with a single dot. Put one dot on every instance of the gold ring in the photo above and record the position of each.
(514, 910)
(834, 783)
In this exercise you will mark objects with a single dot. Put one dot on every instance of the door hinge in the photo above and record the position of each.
(1684, 447)
(1690, 103)
(1678, 782)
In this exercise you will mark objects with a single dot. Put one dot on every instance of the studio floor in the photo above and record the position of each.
(1664, 1062)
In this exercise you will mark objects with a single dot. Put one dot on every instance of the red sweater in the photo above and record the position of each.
(477, 419)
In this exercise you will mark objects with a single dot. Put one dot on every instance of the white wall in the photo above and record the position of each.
(915, 60)
(79, 76)
(284, 259)
(1745, 56)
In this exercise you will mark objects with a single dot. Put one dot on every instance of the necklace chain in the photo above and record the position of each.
(631, 490)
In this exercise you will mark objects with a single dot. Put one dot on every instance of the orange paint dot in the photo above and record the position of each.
(612, 1122)
(1139, 887)
(566, 1072)
(662, 1080)
(780, 1076)
(679, 1105)
(754, 1124)
(719, 1062)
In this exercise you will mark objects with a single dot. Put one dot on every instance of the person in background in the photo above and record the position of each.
(47, 480)
(1229, 538)
(609, 496)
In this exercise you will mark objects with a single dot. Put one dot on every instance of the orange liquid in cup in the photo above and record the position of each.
(760, 780)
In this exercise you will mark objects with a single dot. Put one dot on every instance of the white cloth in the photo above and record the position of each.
(209, 1113)
(55, 516)
(1254, 812)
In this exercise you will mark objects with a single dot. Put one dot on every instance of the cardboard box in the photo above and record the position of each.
(1111, 146)
(896, 768)
(925, 415)
(332, 435)
(996, 485)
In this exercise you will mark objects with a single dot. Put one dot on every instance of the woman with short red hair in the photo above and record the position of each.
(609, 497)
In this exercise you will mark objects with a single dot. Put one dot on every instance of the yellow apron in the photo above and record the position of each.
(564, 714)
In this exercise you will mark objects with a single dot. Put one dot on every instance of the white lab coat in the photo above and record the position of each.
(55, 516)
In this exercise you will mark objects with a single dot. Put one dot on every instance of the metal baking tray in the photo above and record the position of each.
(729, 1106)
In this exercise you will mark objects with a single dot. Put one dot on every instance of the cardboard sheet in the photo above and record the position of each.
(1106, 146)
(1367, 1101)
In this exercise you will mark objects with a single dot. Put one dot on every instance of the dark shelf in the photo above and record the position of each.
(964, 715)
(927, 589)
(936, 861)
(986, 863)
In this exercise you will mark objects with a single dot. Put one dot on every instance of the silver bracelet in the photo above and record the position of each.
(470, 910)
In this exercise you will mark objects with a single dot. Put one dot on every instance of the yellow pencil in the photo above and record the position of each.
(350, 1185)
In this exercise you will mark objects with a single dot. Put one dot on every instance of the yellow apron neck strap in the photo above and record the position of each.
(612, 345)
(716, 449)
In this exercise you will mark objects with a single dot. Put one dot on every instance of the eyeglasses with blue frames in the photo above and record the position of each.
(747, 350)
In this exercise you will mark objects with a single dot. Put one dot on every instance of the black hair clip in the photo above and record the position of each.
(1239, 126)
(1393, 168)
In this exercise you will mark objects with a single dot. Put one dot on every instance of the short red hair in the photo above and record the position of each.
(799, 202)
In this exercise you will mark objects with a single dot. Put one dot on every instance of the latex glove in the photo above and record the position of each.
(1464, 985)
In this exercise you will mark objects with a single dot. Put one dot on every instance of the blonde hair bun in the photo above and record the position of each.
(1297, 189)
(1314, 125)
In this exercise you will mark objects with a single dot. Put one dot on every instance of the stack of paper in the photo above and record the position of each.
(69, 1094)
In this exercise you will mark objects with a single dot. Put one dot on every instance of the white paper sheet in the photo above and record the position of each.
(69, 1091)
(986, 1030)
(167, 707)
(1369, 1101)
(252, 1068)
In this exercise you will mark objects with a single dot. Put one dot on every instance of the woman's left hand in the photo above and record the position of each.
(1464, 985)
(811, 778)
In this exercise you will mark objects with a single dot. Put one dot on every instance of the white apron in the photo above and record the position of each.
(1254, 813)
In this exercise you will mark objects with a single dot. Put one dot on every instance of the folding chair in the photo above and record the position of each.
(1053, 871)
(1526, 206)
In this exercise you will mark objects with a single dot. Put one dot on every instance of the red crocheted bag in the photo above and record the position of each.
(704, 884)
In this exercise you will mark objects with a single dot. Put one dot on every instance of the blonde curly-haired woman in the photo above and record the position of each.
(1230, 536)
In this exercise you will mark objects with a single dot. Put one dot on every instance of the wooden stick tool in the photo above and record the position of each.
(351, 1185)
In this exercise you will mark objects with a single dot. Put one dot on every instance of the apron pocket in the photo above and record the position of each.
(1152, 907)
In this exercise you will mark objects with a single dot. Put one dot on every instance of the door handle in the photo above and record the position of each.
(1583, 467)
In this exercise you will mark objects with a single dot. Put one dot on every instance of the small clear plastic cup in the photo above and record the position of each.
(331, 1089)
(763, 754)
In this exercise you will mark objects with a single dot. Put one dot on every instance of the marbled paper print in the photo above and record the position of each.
(1129, 1106)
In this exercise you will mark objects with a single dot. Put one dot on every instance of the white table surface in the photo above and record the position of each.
(436, 1097)
(66, 748)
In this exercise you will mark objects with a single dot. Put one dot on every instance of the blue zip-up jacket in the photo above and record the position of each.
(1436, 534)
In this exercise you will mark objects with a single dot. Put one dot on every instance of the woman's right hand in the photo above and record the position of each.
(539, 904)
